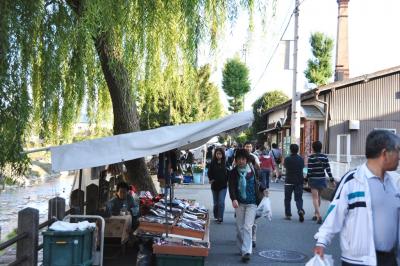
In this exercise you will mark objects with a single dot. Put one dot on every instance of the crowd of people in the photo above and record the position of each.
(246, 174)
(364, 209)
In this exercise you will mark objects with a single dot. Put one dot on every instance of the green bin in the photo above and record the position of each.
(62, 248)
(173, 260)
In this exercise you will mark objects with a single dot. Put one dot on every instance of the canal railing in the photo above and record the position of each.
(27, 238)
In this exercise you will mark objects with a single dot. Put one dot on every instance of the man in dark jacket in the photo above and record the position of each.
(294, 165)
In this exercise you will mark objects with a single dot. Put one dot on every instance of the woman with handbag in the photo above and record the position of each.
(318, 167)
(245, 193)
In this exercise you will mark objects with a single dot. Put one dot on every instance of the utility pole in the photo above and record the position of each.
(296, 101)
(244, 55)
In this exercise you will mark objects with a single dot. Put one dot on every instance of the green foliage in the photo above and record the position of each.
(319, 68)
(260, 106)
(209, 99)
(235, 83)
(189, 100)
(49, 65)
(197, 169)
(242, 137)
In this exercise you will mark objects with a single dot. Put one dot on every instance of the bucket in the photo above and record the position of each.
(197, 178)
(187, 179)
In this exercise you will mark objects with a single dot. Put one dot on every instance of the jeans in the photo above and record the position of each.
(264, 174)
(245, 216)
(298, 197)
(219, 203)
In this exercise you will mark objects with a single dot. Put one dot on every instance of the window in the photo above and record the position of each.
(393, 130)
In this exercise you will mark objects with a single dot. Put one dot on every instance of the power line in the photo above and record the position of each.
(277, 45)
(273, 53)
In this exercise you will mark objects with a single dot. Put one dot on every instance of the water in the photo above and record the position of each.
(36, 196)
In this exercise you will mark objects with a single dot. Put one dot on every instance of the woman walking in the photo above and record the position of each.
(318, 166)
(243, 190)
(266, 166)
(218, 176)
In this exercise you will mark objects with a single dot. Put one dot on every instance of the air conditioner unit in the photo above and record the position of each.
(354, 124)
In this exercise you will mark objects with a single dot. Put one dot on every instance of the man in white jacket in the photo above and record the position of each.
(365, 208)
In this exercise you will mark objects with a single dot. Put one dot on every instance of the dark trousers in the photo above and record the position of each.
(383, 259)
(264, 180)
(298, 197)
(219, 203)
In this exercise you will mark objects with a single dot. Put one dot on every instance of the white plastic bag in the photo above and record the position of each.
(66, 226)
(264, 209)
(318, 261)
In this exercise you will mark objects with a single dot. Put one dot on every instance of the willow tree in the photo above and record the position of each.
(210, 106)
(57, 55)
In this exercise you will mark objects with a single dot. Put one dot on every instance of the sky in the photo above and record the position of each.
(374, 42)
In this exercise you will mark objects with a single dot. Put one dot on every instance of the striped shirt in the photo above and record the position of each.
(318, 163)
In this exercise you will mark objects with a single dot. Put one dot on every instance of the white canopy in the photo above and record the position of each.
(124, 147)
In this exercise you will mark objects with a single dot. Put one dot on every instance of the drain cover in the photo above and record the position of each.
(283, 255)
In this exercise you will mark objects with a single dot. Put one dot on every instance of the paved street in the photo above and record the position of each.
(279, 234)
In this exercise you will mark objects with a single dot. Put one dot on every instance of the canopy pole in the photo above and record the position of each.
(204, 163)
(80, 179)
(36, 150)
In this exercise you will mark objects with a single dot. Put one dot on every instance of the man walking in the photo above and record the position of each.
(276, 153)
(253, 159)
(365, 209)
(294, 180)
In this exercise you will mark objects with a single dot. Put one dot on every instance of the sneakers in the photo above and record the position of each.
(246, 257)
(301, 216)
(287, 217)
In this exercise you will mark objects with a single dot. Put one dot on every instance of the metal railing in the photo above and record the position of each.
(346, 163)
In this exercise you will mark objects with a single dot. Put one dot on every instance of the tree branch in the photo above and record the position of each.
(75, 6)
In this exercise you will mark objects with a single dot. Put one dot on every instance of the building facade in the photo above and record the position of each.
(341, 114)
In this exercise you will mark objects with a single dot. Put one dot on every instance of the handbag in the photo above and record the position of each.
(277, 160)
(258, 187)
(259, 192)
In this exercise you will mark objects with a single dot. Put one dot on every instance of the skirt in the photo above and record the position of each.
(319, 183)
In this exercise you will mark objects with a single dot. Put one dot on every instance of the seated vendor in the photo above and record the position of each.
(123, 202)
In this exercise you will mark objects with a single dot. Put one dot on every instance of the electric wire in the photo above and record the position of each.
(277, 45)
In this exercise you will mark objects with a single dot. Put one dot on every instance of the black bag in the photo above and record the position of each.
(259, 192)
(259, 188)
(277, 160)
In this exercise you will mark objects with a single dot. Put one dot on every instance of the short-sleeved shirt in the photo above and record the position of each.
(275, 153)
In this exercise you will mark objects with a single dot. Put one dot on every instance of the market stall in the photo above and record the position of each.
(180, 232)
(176, 227)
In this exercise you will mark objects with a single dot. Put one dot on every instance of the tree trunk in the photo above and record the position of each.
(126, 118)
